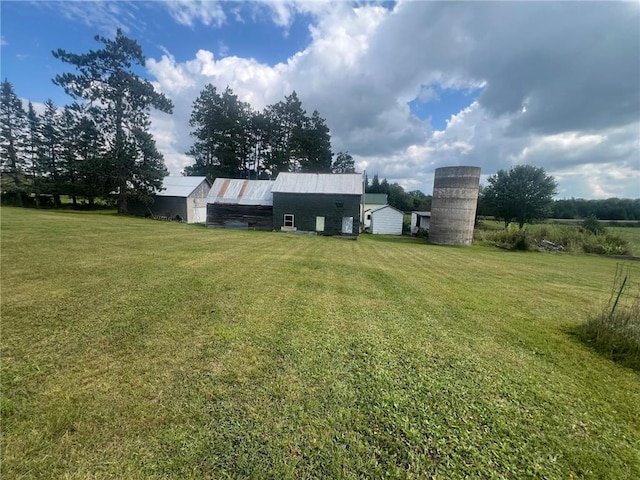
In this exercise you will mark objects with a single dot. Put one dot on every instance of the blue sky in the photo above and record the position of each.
(405, 87)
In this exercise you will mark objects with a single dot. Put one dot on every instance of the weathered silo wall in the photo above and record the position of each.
(453, 207)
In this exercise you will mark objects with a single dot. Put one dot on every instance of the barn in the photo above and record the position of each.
(386, 220)
(181, 198)
(328, 204)
(239, 203)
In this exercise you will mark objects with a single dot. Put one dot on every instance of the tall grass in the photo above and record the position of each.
(615, 331)
(570, 238)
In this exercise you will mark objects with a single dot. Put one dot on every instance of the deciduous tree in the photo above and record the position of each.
(523, 193)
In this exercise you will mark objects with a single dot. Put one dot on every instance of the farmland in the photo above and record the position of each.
(141, 349)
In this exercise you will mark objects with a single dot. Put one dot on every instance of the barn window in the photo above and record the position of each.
(340, 204)
(288, 220)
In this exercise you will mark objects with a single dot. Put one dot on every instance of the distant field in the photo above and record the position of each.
(141, 349)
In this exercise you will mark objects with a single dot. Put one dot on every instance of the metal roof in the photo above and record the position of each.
(422, 214)
(375, 198)
(386, 206)
(179, 186)
(326, 183)
(235, 191)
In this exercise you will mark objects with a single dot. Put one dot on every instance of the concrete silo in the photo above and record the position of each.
(453, 207)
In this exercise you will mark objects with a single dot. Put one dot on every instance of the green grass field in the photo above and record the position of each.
(141, 349)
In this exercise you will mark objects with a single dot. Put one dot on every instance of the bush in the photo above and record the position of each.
(565, 237)
(591, 224)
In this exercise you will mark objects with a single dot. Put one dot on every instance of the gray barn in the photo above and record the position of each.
(181, 198)
(238, 203)
(328, 204)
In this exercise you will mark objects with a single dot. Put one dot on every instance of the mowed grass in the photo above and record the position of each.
(141, 349)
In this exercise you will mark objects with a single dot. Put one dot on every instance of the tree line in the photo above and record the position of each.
(100, 145)
(414, 200)
(233, 140)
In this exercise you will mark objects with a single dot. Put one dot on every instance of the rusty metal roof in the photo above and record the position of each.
(326, 183)
(235, 191)
(178, 186)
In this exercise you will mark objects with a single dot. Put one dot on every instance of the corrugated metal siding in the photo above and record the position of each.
(233, 191)
(324, 183)
(386, 221)
(307, 206)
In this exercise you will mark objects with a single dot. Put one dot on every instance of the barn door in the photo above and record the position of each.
(319, 224)
(347, 224)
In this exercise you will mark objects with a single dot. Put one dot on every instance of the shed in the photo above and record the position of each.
(386, 220)
(420, 220)
(328, 204)
(370, 202)
(180, 198)
(239, 203)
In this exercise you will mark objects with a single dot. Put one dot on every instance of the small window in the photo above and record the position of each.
(368, 216)
(340, 204)
(288, 220)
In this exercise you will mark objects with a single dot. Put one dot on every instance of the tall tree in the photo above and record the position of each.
(315, 145)
(35, 150)
(222, 134)
(343, 163)
(13, 141)
(51, 157)
(523, 193)
(119, 102)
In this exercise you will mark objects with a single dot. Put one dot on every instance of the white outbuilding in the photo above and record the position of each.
(386, 220)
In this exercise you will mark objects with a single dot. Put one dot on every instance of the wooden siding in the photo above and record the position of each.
(307, 206)
(249, 217)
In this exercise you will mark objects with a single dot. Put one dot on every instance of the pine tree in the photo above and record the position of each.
(120, 104)
(13, 144)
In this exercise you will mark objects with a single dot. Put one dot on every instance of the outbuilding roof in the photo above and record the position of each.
(179, 186)
(326, 183)
(235, 191)
(422, 214)
(375, 198)
(387, 206)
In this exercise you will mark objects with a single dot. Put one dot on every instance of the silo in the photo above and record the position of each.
(453, 207)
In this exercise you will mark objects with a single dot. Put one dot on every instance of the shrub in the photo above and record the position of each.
(591, 224)
(565, 237)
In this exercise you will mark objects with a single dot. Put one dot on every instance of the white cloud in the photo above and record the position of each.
(555, 93)
(3, 42)
(190, 12)
(104, 15)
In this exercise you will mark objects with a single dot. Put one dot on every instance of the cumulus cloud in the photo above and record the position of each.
(560, 87)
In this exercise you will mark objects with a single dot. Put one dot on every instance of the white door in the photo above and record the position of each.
(347, 224)
(319, 224)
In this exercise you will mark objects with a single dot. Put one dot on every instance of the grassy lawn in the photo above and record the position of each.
(141, 349)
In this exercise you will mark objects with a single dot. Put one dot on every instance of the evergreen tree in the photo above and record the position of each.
(50, 160)
(35, 151)
(13, 144)
(119, 103)
(222, 134)
(343, 163)
(315, 147)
